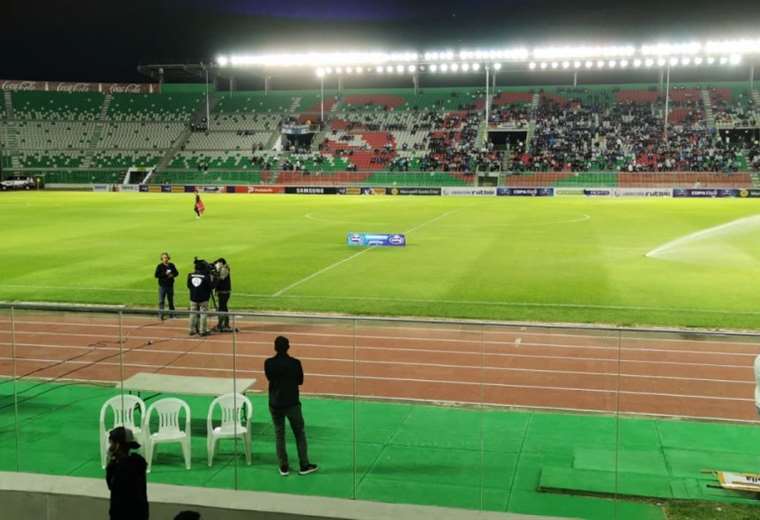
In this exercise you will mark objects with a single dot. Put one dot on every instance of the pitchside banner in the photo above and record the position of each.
(704, 193)
(413, 191)
(376, 239)
(315, 190)
(462, 191)
(525, 192)
(744, 194)
(627, 192)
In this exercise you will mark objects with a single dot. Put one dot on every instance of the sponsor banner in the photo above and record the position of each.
(154, 188)
(315, 190)
(464, 191)
(413, 191)
(189, 189)
(212, 189)
(563, 192)
(353, 190)
(63, 86)
(166, 188)
(525, 192)
(748, 193)
(372, 191)
(642, 192)
(705, 193)
(739, 481)
(265, 189)
(127, 187)
(144, 188)
(376, 239)
(178, 188)
(102, 187)
(597, 193)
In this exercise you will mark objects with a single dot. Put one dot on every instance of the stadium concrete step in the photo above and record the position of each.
(106, 105)
(709, 116)
(8, 105)
(175, 148)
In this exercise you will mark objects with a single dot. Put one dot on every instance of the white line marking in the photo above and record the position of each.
(340, 262)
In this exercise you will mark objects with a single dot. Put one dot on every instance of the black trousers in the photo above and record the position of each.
(295, 418)
(165, 293)
(222, 299)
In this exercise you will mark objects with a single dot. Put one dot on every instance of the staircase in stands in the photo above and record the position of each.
(8, 106)
(11, 134)
(532, 124)
(707, 102)
(97, 134)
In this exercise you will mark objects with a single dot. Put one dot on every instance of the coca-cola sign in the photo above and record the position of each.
(64, 86)
(20, 85)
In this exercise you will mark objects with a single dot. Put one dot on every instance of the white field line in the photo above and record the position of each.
(340, 262)
(405, 339)
(540, 305)
(392, 379)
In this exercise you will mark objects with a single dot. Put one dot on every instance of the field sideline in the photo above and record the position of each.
(554, 259)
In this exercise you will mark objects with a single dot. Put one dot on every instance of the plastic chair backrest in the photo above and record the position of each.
(232, 408)
(123, 407)
(168, 411)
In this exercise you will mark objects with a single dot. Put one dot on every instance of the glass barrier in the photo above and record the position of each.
(418, 393)
(8, 393)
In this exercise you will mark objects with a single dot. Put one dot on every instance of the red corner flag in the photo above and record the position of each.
(199, 207)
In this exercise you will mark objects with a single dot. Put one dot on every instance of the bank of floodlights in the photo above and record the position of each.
(543, 58)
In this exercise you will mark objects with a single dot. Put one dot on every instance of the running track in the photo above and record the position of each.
(562, 369)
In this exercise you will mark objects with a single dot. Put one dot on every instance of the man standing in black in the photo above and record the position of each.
(285, 375)
(125, 476)
(200, 285)
(166, 272)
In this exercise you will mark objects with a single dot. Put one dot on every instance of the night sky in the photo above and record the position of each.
(89, 40)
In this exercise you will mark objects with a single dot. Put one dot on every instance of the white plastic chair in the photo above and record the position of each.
(232, 426)
(168, 411)
(123, 407)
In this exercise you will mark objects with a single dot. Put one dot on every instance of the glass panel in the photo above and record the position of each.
(8, 438)
(552, 398)
(687, 404)
(68, 365)
(174, 373)
(325, 349)
(418, 414)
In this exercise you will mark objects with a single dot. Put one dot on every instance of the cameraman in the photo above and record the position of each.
(223, 290)
(166, 272)
(200, 283)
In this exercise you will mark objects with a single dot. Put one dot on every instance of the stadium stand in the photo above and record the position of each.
(567, 136)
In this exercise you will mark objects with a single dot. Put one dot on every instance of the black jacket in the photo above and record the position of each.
(162, 273)
(224, 280)
(285, 375)
(129, 490)
(200, 287)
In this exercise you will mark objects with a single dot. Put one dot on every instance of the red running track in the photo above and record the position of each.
(680, 375)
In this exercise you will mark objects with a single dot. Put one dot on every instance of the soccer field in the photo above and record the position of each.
(539, 259)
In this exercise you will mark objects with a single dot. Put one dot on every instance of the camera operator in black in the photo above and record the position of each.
(201, 285)
(223, 290)
(166, 272)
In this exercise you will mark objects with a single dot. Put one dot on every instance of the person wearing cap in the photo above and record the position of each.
(125, 476)
(285, 375)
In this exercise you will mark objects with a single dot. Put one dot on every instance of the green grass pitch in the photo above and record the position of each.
(543, 259)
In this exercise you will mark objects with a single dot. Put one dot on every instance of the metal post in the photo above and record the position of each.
(267, 78)
(488, 99)
(415, 82)
(208, 107)
(667, 102)
(340, 86)
(575, 78)
(662, 76)
(751, 77)
(321, 99)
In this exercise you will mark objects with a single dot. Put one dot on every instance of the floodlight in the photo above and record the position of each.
(411, 68)
(359, 70)
(497, 66)
(320, 73)
(555, 65)
(454, 67)
(589, 64)
(600, 64)
(379, 69)
(444, 67)
(612, 64)
(389, 69)
(686, 61)
(698, 60)
(668, 49)
(433, 68)
(544, 65)
(577, 64)
(565, 64)
(673, 62)
(623, 64)
(661, 62)
(733, 46)
(465, 67)
(399, 68)
(637, 63)
(710, 60)
(532, 65)
(476, 67)
(649, 62)
(349, 70)
(222, 61)
(338, 70)
(735, 59)
(328, 70)
(724, 60)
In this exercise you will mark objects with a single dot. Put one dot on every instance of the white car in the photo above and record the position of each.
(17, 183)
